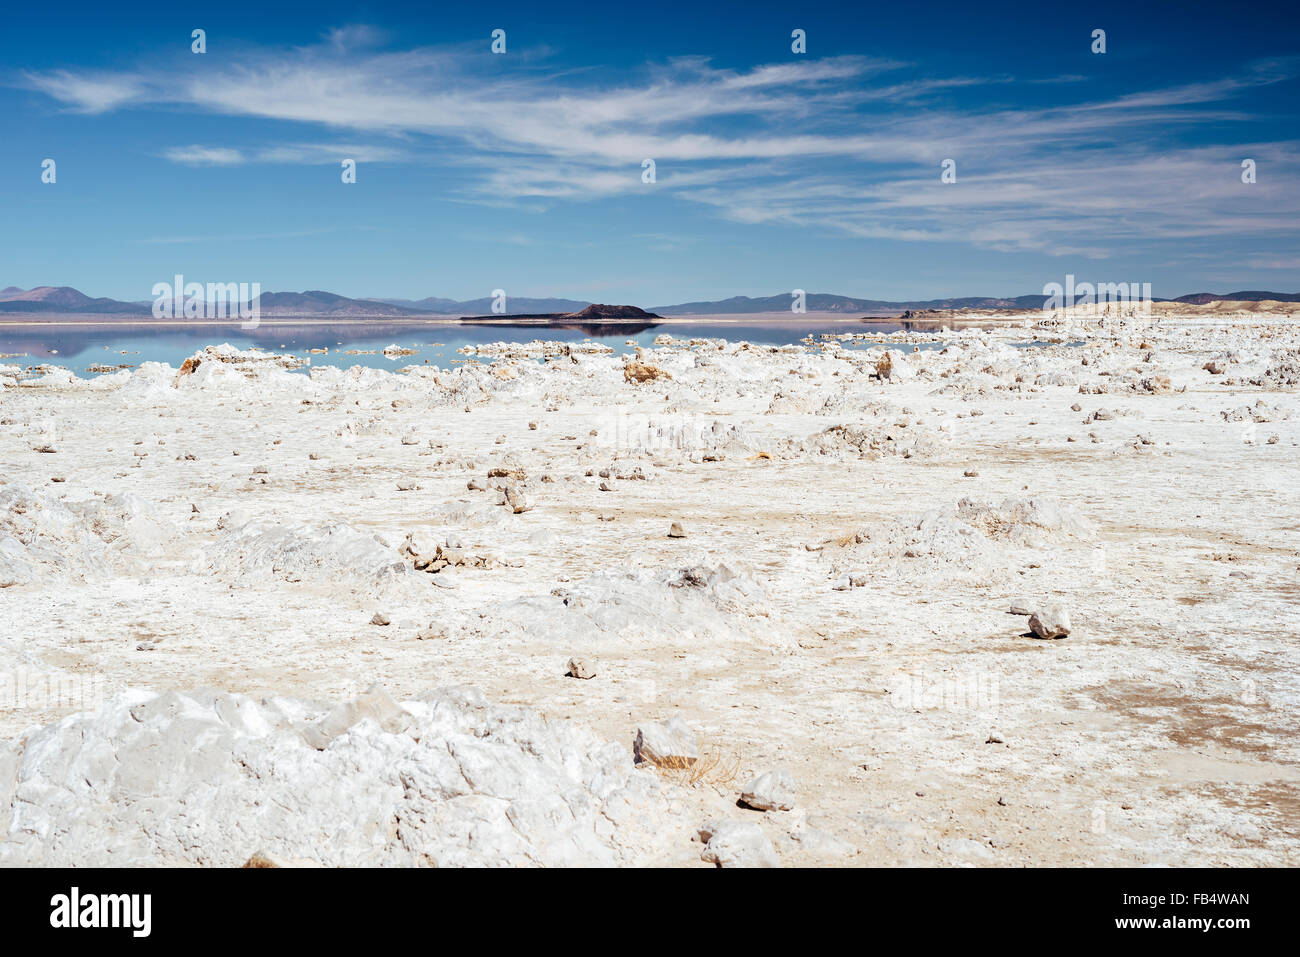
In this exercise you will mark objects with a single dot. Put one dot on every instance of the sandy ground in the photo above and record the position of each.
(865, 643)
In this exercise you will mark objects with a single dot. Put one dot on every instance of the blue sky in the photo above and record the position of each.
(774, 170)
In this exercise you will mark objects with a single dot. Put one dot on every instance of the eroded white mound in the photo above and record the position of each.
(249, 551)
(211, 778)
(41, 535)
(972, 537)
(686, 606)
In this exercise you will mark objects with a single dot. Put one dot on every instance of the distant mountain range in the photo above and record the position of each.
(515, 306)
(824, 302)
(821, 302)
(1249, 295)
(64, 300)
(57, 300)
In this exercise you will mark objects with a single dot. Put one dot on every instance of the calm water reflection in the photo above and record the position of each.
(80, 346)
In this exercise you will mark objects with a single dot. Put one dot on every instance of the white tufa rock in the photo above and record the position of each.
(581, 668)
(670, 744)
(770, 791)
(1051, 621)
(737, 844)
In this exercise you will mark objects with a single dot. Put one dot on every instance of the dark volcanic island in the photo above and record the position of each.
(596, 312)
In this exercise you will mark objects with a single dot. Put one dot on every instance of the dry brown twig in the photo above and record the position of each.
(712, 768)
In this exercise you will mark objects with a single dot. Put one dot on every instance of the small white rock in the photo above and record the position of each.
(581, 668)
(770, 791)
(737, 844)
(1051, 621)
(515, 500)
(670, 744)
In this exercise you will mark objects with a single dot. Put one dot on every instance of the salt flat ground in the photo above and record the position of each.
(838, 606)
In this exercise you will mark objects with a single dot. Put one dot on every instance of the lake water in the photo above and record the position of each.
(80, 347)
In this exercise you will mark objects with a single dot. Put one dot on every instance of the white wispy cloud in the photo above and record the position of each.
(355, 36)
(90, 92)
(198, 155)
(301, 153)
(847, 144)
(239, 237)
